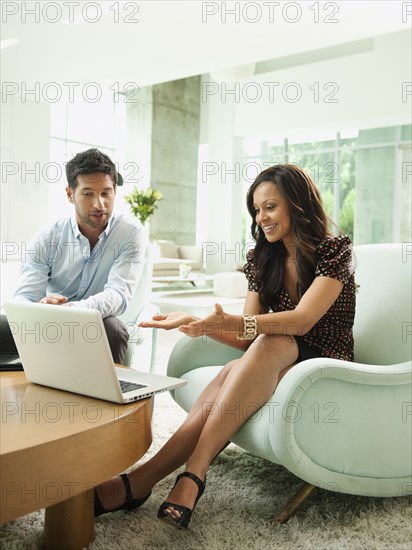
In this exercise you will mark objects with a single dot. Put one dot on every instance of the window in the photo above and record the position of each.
(364, 178)
(76, 127)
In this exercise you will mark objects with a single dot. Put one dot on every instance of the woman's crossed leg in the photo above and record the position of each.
(241, 387)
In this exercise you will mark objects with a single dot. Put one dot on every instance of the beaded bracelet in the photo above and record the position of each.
(249, 328)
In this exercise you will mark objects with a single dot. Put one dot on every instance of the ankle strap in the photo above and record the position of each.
(193, 477)
(129, 494)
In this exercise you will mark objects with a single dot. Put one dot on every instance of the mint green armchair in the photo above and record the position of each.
(337, 425)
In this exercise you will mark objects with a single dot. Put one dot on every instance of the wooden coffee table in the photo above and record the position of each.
(56, 446)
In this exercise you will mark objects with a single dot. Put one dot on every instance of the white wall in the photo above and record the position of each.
(220, 191)
(25, 148)
(369, 95)
(24, 199)
(368, 89)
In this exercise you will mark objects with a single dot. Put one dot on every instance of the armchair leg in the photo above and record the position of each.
(304, 492)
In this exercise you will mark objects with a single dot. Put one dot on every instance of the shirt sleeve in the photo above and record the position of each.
(250, 272)
(35, 270)
(335, 259)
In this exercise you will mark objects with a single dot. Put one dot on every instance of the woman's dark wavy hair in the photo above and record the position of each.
(91, 161)
(308, 224)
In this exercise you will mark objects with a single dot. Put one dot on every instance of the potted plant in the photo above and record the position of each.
(143, 203)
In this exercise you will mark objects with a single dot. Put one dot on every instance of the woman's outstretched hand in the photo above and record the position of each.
(217, 321)
(168, 321)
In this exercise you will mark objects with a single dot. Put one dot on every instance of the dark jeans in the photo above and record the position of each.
(116, 332)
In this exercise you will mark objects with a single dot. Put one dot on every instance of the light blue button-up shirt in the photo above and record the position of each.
(58, 260)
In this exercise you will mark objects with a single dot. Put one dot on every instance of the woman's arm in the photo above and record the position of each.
(252, 307)
(316, 301)
(313, 305)
(177, 319)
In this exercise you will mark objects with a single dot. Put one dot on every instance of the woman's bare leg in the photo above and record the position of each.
(245, 389)
(173, 454)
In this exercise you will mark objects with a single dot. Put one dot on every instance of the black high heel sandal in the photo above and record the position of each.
(185, 513)
(129, 504)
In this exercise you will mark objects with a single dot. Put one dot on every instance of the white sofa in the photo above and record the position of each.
(338, 425)
(167, 257)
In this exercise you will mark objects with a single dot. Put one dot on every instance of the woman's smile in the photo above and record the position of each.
(272, 212)
(269, 228)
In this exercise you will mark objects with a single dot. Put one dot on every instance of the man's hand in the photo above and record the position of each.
(54, 299)
(169, 320)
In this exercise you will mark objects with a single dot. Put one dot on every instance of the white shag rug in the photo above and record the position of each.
(242, 496)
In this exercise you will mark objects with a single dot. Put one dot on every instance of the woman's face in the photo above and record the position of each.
(272, 213)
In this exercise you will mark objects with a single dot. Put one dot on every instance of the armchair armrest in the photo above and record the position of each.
(346, 426)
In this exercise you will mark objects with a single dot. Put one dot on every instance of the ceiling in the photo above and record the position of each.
(168, 40)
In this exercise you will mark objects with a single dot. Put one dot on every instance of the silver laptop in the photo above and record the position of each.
(67, 348)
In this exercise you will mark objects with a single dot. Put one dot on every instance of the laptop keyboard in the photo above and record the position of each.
(130, 386)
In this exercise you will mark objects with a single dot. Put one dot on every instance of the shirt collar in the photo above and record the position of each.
(75, 227)
(77, 232)
(108, 227)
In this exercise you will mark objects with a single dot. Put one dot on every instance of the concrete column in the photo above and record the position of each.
(139, 134)
(164, 136)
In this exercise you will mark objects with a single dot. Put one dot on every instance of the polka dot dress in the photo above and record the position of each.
(332, 335)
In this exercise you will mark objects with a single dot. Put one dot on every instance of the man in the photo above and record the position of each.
(92, 260)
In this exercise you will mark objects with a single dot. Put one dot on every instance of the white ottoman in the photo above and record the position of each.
(231, 284)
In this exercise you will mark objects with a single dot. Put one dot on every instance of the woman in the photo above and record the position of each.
(300, 304)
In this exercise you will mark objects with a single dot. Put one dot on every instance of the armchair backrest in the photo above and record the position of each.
(383, 326)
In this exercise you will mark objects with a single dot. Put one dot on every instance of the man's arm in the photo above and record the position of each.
(34, 271)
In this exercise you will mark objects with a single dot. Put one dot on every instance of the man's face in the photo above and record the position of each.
(93, 200)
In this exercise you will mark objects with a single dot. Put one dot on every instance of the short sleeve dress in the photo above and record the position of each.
(332, 336)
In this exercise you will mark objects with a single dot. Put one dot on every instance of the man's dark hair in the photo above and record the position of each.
(91, 161)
